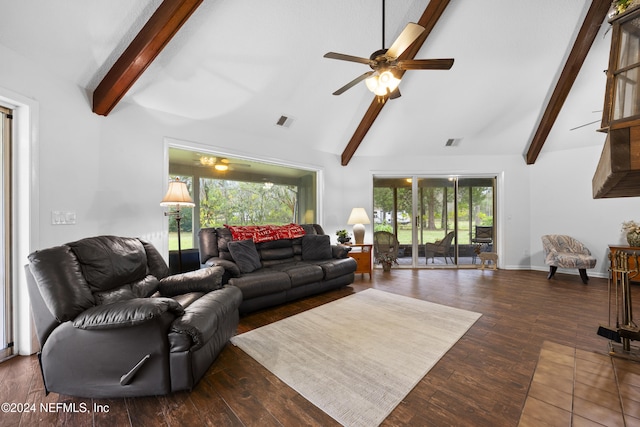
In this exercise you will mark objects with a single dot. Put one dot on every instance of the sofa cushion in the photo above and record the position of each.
(156, 264)
(122, 293)
(276, 253)
(224, 237)
(110, 261)
(245, 254)
(316, 247)
(62, 286)
(301, 273)
(262, 282)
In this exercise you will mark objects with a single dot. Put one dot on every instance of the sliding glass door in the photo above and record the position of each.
(438, 221)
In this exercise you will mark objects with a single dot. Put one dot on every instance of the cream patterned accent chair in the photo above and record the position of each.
(566, 252)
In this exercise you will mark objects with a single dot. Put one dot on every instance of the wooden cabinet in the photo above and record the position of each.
(618, 171)
(362, 255)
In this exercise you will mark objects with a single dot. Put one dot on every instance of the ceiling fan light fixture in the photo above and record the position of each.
(383, 83)
(221, 167)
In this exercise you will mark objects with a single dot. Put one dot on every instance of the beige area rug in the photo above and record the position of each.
(357, 358)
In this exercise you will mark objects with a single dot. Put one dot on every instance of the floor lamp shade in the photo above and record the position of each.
(177, 195)
(358, 218)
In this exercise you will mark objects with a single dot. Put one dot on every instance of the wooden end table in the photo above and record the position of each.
(362, 254)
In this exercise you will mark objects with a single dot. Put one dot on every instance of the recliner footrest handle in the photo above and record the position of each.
(128, 377)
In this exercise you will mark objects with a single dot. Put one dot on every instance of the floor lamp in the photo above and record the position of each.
(177, 195)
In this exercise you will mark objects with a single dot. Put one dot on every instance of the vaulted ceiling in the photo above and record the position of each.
(244, 64)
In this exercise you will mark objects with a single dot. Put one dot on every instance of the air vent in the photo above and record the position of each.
(284, 121)
(451, 142)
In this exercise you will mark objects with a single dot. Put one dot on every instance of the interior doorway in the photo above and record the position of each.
(6, 300)
(438, 221)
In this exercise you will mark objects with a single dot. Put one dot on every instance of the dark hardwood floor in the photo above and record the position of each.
(482, 381)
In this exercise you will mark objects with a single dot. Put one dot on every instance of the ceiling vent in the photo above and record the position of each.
(284, 121)
(452, 142)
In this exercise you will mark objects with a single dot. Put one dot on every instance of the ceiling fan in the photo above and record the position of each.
(220, 163)
(385, 64)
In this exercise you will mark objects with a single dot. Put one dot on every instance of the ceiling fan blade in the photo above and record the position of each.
(351, 58)
(353, 82)
(395, 94)
(586, 124)
(425, 64)
(410, 33)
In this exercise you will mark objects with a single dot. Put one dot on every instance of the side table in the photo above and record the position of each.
(362, 254)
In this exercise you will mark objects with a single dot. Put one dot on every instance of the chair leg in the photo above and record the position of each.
(583, 275)
(552, 271)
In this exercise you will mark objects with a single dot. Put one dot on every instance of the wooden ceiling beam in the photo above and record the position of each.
(429, 18)
(152, 38)
(596, 15)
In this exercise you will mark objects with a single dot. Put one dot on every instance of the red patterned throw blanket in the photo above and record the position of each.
(265, 233)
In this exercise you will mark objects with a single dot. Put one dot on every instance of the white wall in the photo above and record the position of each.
(562, 203)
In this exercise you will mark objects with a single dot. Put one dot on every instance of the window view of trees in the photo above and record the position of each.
(246, 203)
(239, 191)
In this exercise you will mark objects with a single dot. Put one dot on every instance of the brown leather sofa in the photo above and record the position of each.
(111, 322)
(280, 270)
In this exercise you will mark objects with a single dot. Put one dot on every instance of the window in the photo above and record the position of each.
(236, 191)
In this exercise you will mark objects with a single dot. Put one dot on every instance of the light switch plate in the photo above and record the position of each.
(63, 217)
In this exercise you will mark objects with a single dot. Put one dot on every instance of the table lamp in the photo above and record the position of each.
(358, 218)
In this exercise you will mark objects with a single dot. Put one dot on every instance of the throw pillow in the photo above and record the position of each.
(245, 254)
(316, 246)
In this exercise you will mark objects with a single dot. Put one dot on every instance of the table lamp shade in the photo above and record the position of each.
(358, 217)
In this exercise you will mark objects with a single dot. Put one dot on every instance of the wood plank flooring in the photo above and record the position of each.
(483, 380)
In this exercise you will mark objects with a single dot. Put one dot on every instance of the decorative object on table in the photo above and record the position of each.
(343, 236)
(177, 195)
(488, 256)
(358, 218)
(632, 230)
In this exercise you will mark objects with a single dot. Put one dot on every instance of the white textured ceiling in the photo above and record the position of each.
(244, 63)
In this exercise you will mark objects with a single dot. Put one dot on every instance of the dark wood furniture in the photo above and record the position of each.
(618, 171)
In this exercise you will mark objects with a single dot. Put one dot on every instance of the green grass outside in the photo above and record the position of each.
(186, 238)
(404, 235)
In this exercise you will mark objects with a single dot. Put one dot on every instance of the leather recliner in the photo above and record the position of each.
(111, 322)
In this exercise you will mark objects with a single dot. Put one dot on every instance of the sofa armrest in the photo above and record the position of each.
(201, 319)
(340, 251)
(202, 280)
(230, 267)
(126, 313)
